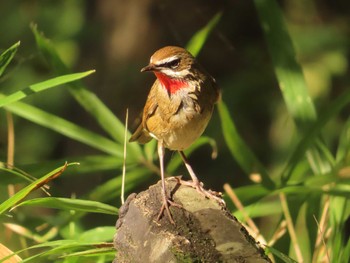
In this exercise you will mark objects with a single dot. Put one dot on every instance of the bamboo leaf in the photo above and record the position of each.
(239, 149)
(20, 195)
(280, 255)
(7, 56)
(65, 127)
(344, 142)
(57, 247)
(290, 77)
(38, 87)
(176, 161)
(332, 110)
(71, 204)
(197, 41)
(88, 100)
(98, 234)
(94, 252)
(288, 71)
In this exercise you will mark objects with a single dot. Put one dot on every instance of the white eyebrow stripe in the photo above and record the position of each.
(166, 60)
(172, 73)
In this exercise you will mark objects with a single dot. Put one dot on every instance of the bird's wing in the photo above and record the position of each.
(141, 134)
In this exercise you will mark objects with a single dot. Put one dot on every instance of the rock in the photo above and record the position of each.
(204, 230)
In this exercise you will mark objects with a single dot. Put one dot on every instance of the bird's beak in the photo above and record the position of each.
(150, 67)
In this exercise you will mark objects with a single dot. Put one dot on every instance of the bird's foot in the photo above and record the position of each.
(165, 208)
(199, 187)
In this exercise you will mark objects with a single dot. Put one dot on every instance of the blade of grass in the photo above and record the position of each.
(38, 87)
(57, 246)
(288, 71)
(88, 100)
(231, 193)
(13, 200)
(176, 161)
(332, 110)
(197, 41)
(290, 227)
(28, 234)
(94, 252)
(239, 150)
(344, 142)
(65, 127)
(71, 204)
(14, 175)
(88, 164)
(250, 194)
(289, 75)
(7, 56)
(98, 234)
(280, 255)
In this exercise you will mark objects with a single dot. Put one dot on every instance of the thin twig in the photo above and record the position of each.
(10, 148)
(124, 160)
(10, 139)
(280, 231)
(291, 229)
(321, 226)
(240, 207)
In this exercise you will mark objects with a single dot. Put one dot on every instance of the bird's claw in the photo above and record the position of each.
(165, 207)
(200, 188)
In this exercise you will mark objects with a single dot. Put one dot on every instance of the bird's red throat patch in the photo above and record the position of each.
(172, 85)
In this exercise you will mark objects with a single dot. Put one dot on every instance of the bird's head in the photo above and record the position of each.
(172, 66)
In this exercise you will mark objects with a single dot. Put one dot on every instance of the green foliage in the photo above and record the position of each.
(312, 173)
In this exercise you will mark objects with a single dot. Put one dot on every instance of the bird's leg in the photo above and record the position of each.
(165, 205)
(196, 183)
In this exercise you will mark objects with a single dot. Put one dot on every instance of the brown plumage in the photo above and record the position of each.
(177, 118)
(178, 107)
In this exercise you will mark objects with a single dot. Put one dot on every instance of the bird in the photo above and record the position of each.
(177, 110)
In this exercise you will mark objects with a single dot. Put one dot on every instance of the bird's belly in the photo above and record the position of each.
(185, 128)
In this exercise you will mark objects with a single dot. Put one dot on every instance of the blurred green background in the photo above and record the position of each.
(117, 38)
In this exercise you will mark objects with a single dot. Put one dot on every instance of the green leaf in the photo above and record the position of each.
(57, 248)
(89, 164)
(250, 194)
(260, 209)
(98, 234)
(196, 43)
(280, 255)
(88, 100)
(71, 204)
(7, 56)
(112, 188)
(288, 71)
(239, 149)
(38, 87)
(65, 127)
(13, 175)
(176, 161)
(13, 200)
(310, 136)
(94, 252)
(344, 142)
(290, 77)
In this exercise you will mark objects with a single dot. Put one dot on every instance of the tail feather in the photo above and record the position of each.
(140, 135)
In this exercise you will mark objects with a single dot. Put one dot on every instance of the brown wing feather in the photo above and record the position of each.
(141, 134)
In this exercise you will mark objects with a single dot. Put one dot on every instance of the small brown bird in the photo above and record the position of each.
(178, 108)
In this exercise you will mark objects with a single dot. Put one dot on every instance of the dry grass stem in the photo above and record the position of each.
(240, 207)
(322, 225)
(290, 226)
(124, 154)
(10, 148)
(280, 231)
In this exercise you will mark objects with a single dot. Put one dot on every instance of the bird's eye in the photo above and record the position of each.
(173, 64)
